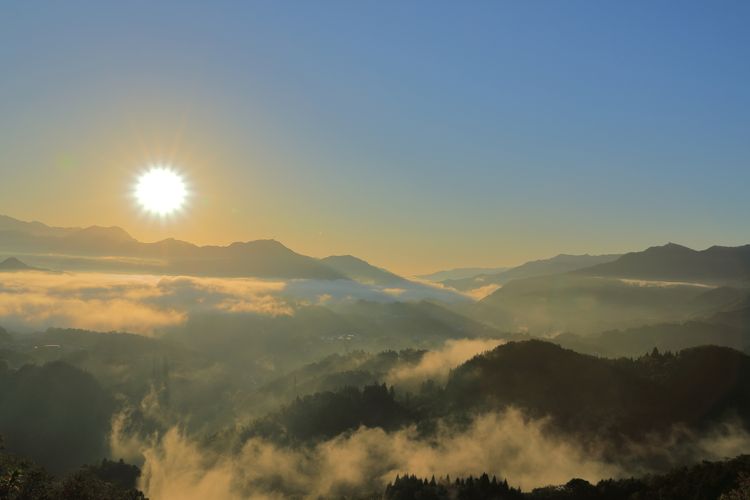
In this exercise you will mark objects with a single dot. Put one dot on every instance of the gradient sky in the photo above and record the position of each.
(417, 135)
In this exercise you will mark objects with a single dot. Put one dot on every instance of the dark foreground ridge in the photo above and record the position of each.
(24, 479)
(725, 480)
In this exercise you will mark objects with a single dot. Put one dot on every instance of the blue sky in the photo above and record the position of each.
(418, 135)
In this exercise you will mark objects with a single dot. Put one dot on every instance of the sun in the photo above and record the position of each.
(161, 190)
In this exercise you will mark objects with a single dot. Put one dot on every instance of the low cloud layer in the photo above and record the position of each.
(483, 291)
(148, 304)
(437, 364)
(507, 444)
(504, 444)
(134, 303)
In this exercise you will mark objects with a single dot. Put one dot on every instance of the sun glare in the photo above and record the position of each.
(161, 190)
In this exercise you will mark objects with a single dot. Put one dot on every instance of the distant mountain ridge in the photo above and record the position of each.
(260, 258)
(672, 262)
(583, 304)
(461, 273)
(729, 327)
(35, 227)
(112, 248)
(559, 264)
(665, 284)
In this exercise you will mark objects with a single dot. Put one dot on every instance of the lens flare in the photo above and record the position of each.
(161, 190)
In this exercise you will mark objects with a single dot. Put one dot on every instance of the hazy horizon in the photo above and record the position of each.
(406, 273)
(420, 139)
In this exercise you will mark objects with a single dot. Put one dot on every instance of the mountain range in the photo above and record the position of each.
(460, 273)
(665, 284)
(672, 262)
(570, 302)
(559, 264)
(99, 248)
(112, 248)
(717, 265)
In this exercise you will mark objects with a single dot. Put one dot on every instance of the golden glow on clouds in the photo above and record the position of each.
(161, 190)
(144, 304)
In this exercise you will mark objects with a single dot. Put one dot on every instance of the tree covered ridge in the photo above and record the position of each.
(722, 480)
(411, 487)
(56, 413)
(327, 414)
(699, 386)
(628, 396)
(589, 396)
(24, 479)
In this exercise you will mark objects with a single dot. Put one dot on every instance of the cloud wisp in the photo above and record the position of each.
(507, 444)
(437, 364)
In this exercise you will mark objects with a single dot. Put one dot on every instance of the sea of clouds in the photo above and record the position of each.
(148, 304)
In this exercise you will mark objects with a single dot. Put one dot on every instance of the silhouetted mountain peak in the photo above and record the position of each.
(261, 246)
(111, 234)
(12, 263)
(670, 247)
